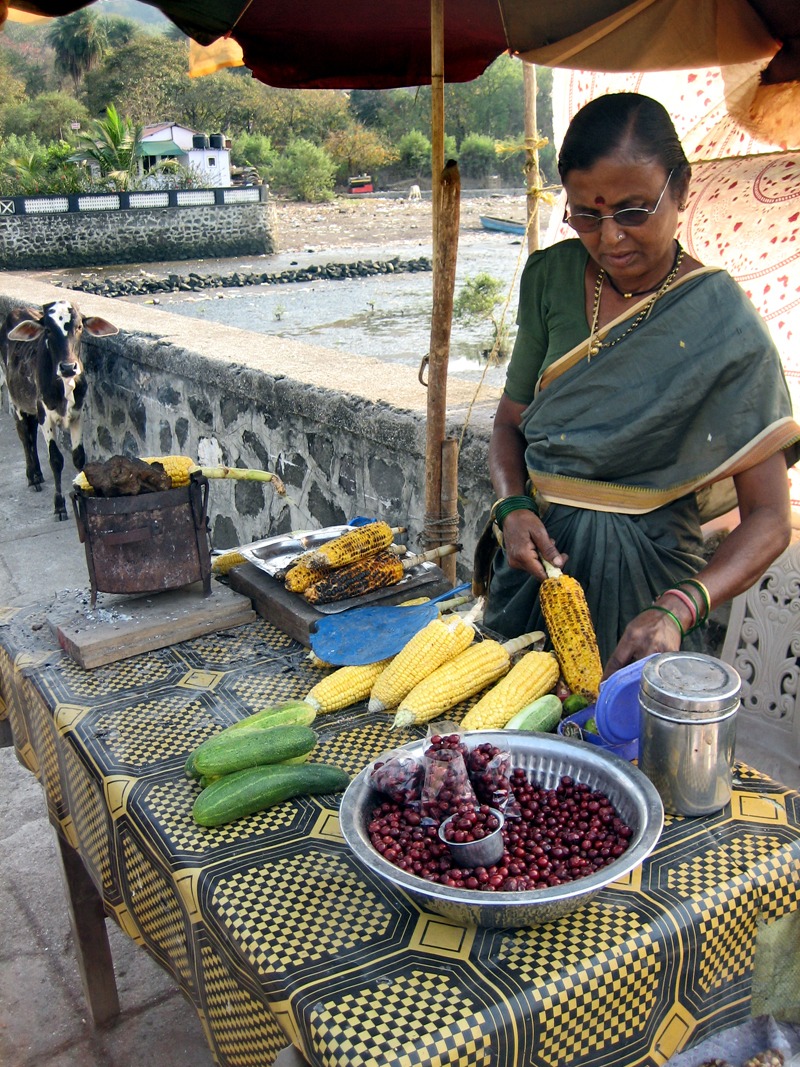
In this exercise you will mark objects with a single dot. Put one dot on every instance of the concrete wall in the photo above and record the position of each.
(346, 434)
(90, 238)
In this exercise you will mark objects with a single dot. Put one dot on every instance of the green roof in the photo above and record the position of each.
(160, 148)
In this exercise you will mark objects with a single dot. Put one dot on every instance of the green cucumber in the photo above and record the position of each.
(542, 715)
(235, 750)
(574, 703)
(189, 768)
(294, 713)
(258, 788)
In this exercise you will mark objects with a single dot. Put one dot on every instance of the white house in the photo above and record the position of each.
(208, 157)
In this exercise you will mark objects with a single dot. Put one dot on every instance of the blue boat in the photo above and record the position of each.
(491, 222)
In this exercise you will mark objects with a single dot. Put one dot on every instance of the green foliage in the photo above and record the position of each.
(254, 150)
(50, 114)
(477, 157)
(146, 78)
(476, 301)
(357, 150)
(28, 168)
(414, 151)
(79, 41)
(305, 172)
(111, 143)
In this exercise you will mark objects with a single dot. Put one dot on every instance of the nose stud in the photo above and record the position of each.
(620, 236)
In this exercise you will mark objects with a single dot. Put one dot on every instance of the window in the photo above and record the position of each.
(211, 161)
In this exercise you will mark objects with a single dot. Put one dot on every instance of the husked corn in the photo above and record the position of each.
(460, 678)
(344, 686)
(569, 625)
(226, 561)
(535, 674)
(441, 640)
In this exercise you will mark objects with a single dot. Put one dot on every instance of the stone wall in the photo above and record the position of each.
(91, 238)
(347, 435)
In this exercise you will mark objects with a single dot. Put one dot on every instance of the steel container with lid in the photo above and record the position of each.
(687, 730)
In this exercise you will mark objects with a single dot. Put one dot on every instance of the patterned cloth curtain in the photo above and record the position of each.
(743, 213)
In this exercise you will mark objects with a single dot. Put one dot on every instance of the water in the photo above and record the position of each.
(383, 316)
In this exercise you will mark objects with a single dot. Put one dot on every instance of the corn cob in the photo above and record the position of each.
(314, 661)
(226, 561)
(535, 674)
(471, 671)
(299, 578)
(569, 626)
(349, 547)
(366, 575)
(343, 687)
(441, 640)
(179, 468)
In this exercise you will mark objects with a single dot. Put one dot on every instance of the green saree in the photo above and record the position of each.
(627, 452)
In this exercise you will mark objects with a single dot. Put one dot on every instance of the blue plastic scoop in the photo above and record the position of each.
(365, 635)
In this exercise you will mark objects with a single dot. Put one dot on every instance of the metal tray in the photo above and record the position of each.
(275, 555)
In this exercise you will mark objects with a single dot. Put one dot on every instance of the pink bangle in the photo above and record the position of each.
(687, 600)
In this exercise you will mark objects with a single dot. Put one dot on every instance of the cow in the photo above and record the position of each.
(40, 355)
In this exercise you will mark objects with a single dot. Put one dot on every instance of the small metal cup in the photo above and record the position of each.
(484, 852)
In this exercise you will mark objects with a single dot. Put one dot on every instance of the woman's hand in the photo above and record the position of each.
(526, 540)
(651, 631)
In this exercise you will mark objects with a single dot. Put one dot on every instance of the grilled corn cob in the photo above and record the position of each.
(349, 547)
(441, 640)
(460, 678)
(365, 575)
(179, 468)
(343, 687)
(226, 561)
(569, 625)
(535, 674)
(299, 578)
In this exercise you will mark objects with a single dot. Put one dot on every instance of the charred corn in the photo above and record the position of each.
(366, 575)
(535, 674)
(299, 578)
(571, 632)
(441, 640)
(226, 561)
(180, 468)
(477, 667)
(349, 547)
(344, 686)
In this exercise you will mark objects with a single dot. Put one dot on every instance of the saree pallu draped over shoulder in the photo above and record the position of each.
(629, 452)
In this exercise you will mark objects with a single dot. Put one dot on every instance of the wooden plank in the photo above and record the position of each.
(297, 618)
(120, 627)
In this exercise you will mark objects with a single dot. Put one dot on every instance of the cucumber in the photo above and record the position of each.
(543, 715)
(293, 713)
(235, 750)
(574, 703)
(258, 788)
(189, 768)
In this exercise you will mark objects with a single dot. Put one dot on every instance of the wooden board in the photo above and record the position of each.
(297, 618)
(120, 627)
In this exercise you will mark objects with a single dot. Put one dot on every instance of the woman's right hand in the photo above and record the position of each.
(526, 540)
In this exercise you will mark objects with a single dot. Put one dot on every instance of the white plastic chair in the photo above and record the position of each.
(763, 644)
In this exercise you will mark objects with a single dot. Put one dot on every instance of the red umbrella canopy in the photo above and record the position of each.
(368, 44)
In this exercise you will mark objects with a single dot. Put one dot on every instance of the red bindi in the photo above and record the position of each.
(599, 200)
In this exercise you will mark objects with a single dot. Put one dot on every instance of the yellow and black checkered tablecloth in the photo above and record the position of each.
(277, 934)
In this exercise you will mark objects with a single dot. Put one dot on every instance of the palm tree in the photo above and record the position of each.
(111, 143)
(80, 41)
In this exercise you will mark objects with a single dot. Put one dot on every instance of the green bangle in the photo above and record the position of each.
(672, 615)
(703, 592)
(502, 508)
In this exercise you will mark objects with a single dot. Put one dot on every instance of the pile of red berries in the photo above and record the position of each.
(550, 836)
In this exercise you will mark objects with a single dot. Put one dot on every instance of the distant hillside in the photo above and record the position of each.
(132, 9)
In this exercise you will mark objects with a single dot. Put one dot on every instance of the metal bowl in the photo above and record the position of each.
(545, 758)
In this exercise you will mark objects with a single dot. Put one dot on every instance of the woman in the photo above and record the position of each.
(639, 382)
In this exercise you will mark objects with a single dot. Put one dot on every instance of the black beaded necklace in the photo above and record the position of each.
(652, 289)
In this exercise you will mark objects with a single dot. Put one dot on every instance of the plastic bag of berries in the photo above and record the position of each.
(446, 785)
(399, 775)
(490, 770)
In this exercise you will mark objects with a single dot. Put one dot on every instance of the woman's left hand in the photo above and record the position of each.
(649, 632)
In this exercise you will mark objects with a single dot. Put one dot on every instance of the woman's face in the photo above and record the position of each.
(632, 255)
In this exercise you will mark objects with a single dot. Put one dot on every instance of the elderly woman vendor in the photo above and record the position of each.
(642, 386)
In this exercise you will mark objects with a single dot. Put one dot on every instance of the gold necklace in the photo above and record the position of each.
(595, 344)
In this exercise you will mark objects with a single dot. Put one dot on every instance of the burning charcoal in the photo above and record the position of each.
(126, 476)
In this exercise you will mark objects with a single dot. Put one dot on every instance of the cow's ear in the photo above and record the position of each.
(27, 330)
(98, 327)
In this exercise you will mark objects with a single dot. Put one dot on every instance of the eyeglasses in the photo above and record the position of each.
(626, 217)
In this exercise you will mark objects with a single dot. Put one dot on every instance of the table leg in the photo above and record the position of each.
(88, 921)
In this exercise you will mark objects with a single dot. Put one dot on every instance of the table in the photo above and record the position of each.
(276, 934)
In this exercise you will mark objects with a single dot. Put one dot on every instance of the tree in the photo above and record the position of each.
(476, 301)
(221, 103)
(80, 42)
(147, 77)
(305, 171)
(12, 93)
(50, 114)
(112, 144)
(357, 150)
(477, 157)
(414, 150)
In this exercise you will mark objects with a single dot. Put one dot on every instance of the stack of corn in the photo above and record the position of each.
(345, 686)
(361, 543)
(571, 632)
(535, 674)
(180, 468)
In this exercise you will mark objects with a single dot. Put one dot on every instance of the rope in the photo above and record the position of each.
(443, 531)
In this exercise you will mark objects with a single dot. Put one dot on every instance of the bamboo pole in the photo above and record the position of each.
(531, 166)
(437, 111)
(449, 520)
(445, 254)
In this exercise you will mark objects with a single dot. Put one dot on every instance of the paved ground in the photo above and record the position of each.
(44, 1020)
